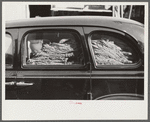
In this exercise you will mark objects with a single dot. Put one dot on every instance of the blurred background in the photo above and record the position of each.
(21, 10)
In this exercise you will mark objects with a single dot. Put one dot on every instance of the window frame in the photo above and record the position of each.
(13, 50)
(49, 67)
(110, 33)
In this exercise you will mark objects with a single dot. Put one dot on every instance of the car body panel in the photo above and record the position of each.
(114, 79)
(11, 73)
(55, 82)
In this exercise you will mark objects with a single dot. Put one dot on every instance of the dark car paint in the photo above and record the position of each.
(73, 83)
(63, 79)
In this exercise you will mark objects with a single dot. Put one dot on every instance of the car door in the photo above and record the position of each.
(117, 67)
(10, 63)
(53, 63)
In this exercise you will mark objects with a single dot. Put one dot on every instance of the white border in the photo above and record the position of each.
(67, 109)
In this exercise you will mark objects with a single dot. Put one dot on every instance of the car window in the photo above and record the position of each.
(8, 51)
(111, 49)
(53, 48)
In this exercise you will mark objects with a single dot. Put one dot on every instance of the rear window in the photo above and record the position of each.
(110, 49)
(8, 51)
(53, 48)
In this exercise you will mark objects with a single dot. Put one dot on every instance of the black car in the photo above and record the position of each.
(76, 57)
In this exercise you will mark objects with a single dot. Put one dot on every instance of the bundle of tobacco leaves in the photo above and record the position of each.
(55, 53)
(108, 53)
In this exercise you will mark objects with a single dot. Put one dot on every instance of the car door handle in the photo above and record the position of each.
(12, 83)
(21, 83)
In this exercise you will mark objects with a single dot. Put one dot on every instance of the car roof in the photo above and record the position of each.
(106, 21)
(126, 25)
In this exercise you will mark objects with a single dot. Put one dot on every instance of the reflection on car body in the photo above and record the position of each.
(77, 57)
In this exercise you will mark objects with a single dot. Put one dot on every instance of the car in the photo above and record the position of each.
(74, 58)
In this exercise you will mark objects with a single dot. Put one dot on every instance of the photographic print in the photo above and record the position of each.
(82, 59)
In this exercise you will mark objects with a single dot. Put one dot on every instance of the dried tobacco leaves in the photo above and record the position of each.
(108, 53)
(56, 53)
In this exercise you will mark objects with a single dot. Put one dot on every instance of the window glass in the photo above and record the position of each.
(109, 49)
(8, 51)
(53, 48)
